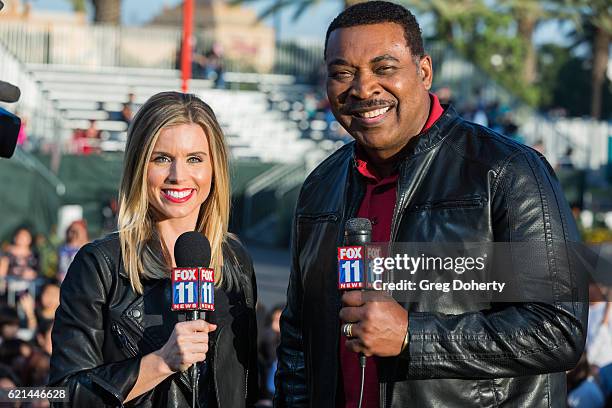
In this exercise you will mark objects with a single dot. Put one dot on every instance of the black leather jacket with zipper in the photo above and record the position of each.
(458, 182)
(103, 328)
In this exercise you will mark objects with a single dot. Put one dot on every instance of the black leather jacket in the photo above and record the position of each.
(102, 329)
(459, 182)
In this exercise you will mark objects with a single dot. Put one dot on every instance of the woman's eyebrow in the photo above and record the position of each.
(201, 153)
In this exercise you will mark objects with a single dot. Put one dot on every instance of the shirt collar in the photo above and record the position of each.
(367, 170)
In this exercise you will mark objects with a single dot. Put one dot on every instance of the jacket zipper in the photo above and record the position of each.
(460, 203)
(213, 366)
(246, 383)
(125, 340)
(318, 217)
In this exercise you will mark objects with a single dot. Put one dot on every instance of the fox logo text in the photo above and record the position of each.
(350, 267)
(185, 288)
(207, 289)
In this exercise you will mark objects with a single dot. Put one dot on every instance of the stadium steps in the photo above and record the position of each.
(254, 129)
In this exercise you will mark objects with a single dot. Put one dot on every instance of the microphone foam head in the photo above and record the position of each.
(191, 249)
(9, 93)
(358, 226)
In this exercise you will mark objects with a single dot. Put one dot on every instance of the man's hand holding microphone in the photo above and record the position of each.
(374, 323)
(378, 323)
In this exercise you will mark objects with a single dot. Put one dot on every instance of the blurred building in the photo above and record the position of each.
(242, 37)
(21, 11)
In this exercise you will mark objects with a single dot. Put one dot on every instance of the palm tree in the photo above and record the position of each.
(300, 6)
(447, 14)
(595, 28)
(105, 11)
(600, 16)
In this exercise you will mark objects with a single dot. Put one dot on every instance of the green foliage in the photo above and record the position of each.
(489, 40)
(78, 5)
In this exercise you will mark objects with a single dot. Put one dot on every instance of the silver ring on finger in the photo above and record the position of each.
(347, 330)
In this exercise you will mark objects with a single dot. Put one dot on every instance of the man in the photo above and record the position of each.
(420, 173)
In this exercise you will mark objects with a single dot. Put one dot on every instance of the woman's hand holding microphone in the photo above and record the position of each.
(188, 344)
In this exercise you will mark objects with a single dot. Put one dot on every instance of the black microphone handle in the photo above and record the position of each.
(193, 315)
(362, 238)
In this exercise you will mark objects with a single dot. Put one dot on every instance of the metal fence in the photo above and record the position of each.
(92, 45)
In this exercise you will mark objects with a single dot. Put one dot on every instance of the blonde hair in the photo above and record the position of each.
(138, 236)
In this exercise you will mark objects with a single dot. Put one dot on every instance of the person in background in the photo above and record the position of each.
(9, 323)
(19, 258)
(127, 114)
(46, 248)
(76, 237)
(28, 307)
(35, 372)
(8, 381)
(565, 162)
(42, 312)
(48, 302)
(15, 353)
(599, 333)
(583, 389)
(445, 95)
(269, 341)
(213, 68)
(43, 336)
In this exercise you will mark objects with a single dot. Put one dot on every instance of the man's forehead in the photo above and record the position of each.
(368, 41)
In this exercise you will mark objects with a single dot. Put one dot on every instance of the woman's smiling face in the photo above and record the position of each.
(179, 174)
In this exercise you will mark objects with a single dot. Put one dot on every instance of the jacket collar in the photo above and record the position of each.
(427, 139)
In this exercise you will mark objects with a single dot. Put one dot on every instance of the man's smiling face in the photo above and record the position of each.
(377, 89)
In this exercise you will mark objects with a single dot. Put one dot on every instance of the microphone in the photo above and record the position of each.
(9, 131)
(192, 250)
(192, 255)
(9, 93)
(358, 231)
(351, 267)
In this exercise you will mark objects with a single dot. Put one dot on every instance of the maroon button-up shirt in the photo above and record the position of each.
(377, 205)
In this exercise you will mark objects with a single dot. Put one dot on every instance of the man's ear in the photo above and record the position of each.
(426, 71)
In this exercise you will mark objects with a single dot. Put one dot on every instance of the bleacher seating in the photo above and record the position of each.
(254, 128)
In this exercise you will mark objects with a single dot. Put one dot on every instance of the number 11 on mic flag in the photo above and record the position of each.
(207, 289)
(350, 267)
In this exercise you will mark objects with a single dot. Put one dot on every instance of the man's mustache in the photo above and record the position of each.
(362, 106)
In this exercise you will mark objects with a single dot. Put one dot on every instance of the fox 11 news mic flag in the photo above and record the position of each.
(192, 280)
(351, 257)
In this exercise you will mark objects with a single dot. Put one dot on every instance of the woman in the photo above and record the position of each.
(115, 340)
(76, 237)
(20, 260)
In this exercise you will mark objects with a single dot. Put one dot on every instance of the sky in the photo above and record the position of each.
(312, 25)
